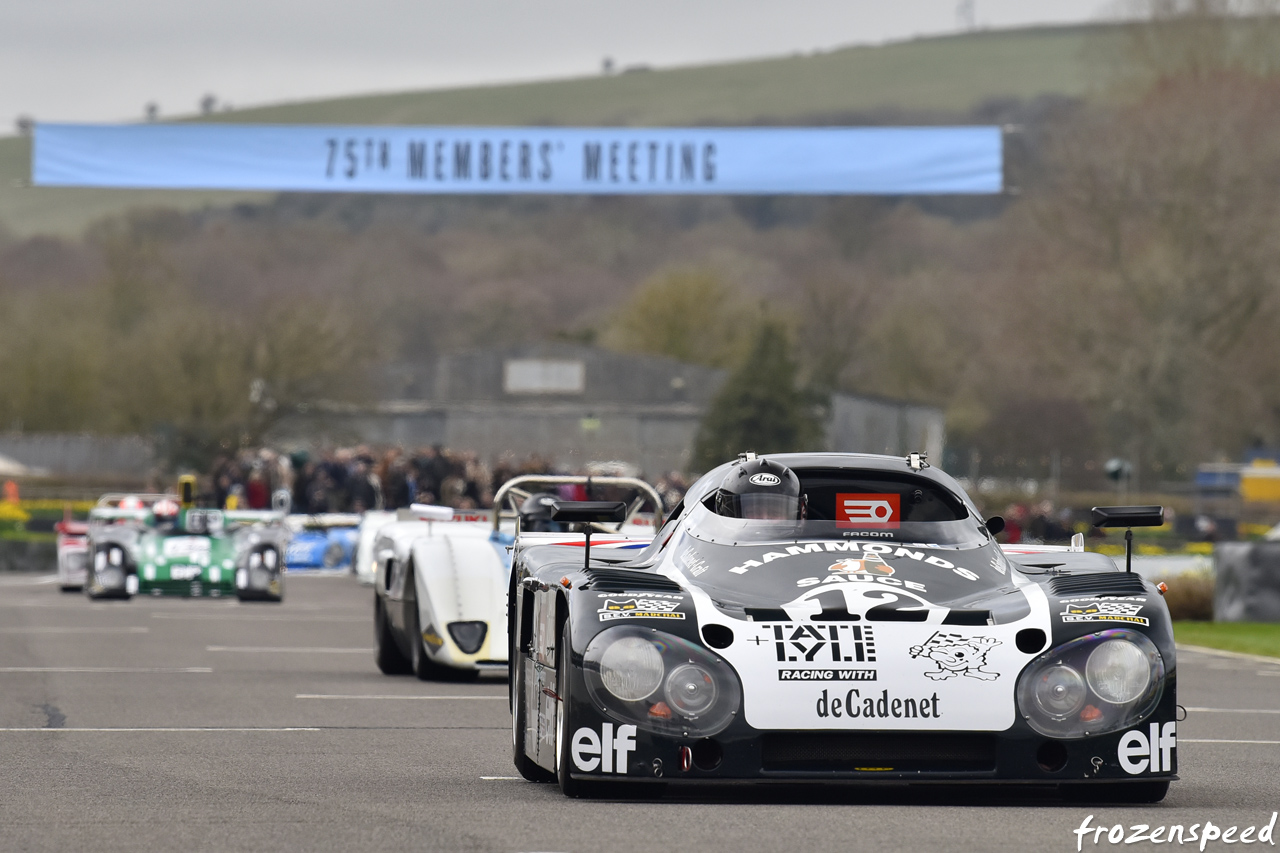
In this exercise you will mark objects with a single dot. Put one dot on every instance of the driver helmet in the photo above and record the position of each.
(760, 489)
(535, 514)
(165, 511)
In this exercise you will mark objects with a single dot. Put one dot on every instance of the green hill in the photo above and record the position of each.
(942, 78)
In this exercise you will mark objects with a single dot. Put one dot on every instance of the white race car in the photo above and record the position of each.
(441, 576)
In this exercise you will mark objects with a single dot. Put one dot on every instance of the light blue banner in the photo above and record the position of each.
(469, 160)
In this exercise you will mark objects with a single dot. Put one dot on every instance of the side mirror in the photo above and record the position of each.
(1128, 516)
(995, 524)
(587, 512)
(187, 491)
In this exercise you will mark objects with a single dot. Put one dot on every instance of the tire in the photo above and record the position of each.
(568, 785)
(71, 588)
(528, 768)
(387, 654)
(1116, 792)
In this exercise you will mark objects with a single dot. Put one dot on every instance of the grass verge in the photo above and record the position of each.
(1255, 638)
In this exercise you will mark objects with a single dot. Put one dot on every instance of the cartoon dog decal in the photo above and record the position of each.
(956, 654)
(869, 563)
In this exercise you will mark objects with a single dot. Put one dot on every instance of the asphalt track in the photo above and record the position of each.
(167, 725)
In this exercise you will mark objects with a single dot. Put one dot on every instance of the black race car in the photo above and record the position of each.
(839, 617)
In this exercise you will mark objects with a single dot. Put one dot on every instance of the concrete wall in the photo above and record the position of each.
(1247, 582)
(80, 455)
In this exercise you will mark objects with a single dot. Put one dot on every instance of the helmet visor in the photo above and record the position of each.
(769, 507)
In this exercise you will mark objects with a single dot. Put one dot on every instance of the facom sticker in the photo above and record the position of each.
(870, 511)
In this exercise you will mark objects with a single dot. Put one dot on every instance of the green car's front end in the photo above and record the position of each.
(190, 553)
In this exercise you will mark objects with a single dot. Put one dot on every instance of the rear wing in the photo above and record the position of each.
(115, 514)
(1077, 544)
(321, 521)
(251, 516)
(506, 503)
(430, 512)
(112, 500)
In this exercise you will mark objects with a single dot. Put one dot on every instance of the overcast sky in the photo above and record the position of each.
(103, 60)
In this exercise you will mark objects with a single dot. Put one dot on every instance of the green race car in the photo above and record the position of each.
(193, 553)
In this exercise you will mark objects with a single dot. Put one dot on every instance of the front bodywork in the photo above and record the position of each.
(453, 577)
(860, 658)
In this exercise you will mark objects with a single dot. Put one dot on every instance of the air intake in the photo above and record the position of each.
(625, 580)
(468, 635)
(1102, 583)
(816, 751)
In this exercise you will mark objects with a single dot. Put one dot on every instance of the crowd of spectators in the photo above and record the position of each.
(1038, 524)
(356, 479)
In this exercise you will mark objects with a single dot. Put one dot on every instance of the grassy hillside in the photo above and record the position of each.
(939, 76)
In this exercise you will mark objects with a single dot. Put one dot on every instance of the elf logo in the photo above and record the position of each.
(1139, 752)
(607, 751)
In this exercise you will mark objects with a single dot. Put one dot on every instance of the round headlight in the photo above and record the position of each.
(691, 690)
(1118, 671)
(333, 555)
(1060, 690)
(631, 668)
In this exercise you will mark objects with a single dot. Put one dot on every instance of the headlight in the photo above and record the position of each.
(1092, 685)
(1118, 671)
(691, 690)
(631, 668)
(660, 682)
(1059, 691)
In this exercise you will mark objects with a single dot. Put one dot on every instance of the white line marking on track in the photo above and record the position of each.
(146, 669)
(290, 649)
(48, 629)
(1205, 650)
(1268, 672)
(265, 617)
(390, 696)
(1235, 710)
(1213, 740)
(500, 778)
(163, 729)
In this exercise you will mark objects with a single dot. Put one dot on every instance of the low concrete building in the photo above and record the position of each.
(574, 404)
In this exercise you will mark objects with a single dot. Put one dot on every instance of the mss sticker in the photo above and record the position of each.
(638, 608)
(1104, 611)
(871, 512)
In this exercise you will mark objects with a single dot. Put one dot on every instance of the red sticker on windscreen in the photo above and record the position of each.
(868, 512)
